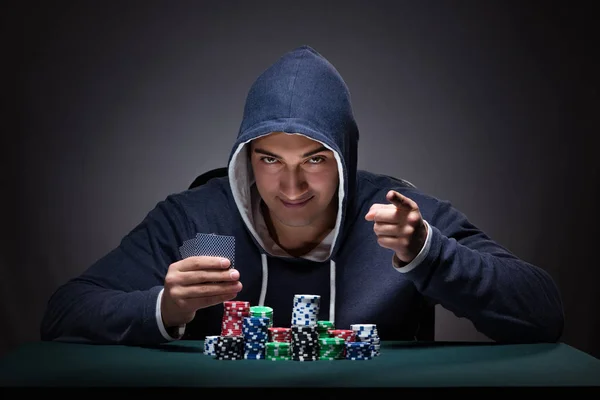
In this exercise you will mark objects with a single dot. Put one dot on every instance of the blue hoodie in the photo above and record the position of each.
(117, 299)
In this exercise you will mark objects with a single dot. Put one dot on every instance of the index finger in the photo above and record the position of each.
(400, 201)
(203, 262)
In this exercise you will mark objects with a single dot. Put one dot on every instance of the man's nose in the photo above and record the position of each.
(293, 183)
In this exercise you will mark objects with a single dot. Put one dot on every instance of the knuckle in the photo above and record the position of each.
(202, 276)
(413, 218)
(174, 293)
(170, 279)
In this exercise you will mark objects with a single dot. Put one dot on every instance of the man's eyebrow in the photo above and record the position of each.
(265, 152)
(315, 151)
(310, 153)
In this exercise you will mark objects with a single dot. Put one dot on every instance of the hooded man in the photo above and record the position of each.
(304, 221)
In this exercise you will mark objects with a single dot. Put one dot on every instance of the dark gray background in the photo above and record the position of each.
(113, 105)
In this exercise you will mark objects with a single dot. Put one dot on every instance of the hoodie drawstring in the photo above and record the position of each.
(332, 291)
(265, 280)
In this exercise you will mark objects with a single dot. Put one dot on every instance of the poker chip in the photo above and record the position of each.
(262, 311)
(367, 333)
(347, 334)
(255, 333)
(209, 345)
(305, 310)
(233, 316)
(331, 348)
(248, 333)
(323, 328)
(305, 343)
(280, 334)
(229, 348)
(358, 351)
(278, 351)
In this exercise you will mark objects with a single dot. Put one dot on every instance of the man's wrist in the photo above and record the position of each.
(168, 332)
(403, 267)
(176, 332)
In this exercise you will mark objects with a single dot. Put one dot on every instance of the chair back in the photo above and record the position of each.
(207, 176)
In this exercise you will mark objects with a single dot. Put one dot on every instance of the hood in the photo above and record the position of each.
(301, 93)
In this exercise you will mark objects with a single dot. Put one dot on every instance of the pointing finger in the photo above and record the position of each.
(401, 201)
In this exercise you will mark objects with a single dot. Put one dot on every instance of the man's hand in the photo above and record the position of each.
(194, 283)
(399, 226)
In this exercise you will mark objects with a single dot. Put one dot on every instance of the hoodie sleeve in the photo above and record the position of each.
(115, 299)
(506, 298)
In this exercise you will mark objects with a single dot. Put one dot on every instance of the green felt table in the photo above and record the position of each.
(401, 364)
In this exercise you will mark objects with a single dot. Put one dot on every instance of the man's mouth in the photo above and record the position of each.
(295, 204)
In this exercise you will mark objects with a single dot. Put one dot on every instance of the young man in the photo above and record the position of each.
(305, 221)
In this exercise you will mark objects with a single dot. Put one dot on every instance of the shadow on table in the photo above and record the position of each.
(455, 344)
(469, 352)
(171, 347)
(174, 348)
(434, 344)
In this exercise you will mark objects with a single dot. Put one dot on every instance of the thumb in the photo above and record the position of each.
(370, 215)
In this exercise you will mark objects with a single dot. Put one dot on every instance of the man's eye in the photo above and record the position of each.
(269, 160)
(316, 160)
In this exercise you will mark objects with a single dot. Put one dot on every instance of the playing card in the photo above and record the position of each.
(187, 248)
(210, 244)
(216, 245)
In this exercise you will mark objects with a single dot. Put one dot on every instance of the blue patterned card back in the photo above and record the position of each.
(210, 244)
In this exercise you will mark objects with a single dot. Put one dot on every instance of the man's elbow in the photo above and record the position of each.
(549, 329)
(553, 328)
(48, 329)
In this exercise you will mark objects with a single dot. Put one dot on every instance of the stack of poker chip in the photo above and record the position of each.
(280, 334)
(367, 333)
(233, 317)
(256, 335)
(305, 343)
(278, 351)
(209, 345)
(262, 311)
(305, 335)
(347, 334)
(358, 351)
(306, 310)
(323, 327)
(331, 348)
(248, 333)
(230, 344)
(229, 348)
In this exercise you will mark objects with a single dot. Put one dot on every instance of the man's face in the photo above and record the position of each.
(296, 177)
